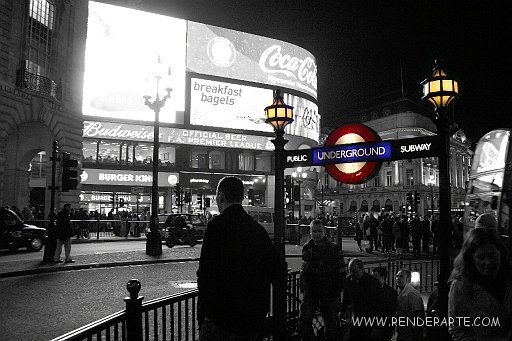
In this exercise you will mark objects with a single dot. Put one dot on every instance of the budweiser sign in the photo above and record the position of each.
(272, 60)
(95, 129)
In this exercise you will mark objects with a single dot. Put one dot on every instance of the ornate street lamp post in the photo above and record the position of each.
(154, 239)
(279, 115)
(440, 90)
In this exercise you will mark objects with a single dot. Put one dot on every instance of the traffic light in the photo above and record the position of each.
(417, 200)
(206, 202)
(113, 200)
(296, 193)
(69, 173)
(409, 199)
(288, 190)
(121, 202)
(177, 191)
(200, 201)
(250, 195)
(188, 197)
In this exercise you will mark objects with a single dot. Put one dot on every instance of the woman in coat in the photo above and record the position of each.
(481, 290)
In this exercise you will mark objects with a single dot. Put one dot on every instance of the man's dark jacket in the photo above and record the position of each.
(323, 269)
(237, 265)
(365, 295)
(64, 229)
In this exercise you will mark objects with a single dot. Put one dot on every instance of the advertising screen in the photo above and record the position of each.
(233, 54)
(124, 54)
(229, 105)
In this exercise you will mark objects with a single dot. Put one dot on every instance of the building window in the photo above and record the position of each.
(167, 155)
(376, 181)
(264, 162)
(144, 154)
(409, 177)
(37, 167)
(40, 25)
(109, 152)
(89, 150)
(198, 158)
(246, 161)
(217, 160)
(389, 178)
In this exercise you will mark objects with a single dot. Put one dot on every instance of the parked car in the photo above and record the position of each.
(14, 233)
(197, 222)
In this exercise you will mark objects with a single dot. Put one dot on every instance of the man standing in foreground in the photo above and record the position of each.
(409, 305)
(64, 233)
(236, 268)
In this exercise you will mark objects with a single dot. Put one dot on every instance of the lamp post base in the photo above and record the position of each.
(154, 244)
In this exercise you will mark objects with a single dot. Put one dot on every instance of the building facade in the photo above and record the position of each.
(389, 190)
(41, 75)
(213, 123)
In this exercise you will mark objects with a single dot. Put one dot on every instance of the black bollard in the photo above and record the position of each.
(133, 311)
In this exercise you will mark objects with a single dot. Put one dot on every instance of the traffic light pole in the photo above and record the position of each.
(51, 243)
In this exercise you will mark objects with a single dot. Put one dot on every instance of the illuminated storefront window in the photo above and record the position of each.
(246, 161)
(198, 158)
(264, 162)
(109, 152)
(143, 154)
(216, 160)
(89, 150)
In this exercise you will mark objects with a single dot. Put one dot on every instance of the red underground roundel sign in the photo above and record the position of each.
(355, 172)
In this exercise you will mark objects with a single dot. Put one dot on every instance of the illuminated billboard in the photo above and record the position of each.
(233, 54)
(123, 56)
(229, 105)
(120, 63)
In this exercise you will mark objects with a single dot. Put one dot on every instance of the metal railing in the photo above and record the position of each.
(103, 228)
(38, 83)
(174, 317)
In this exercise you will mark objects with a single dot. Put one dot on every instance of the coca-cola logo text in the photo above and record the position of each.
(272, 60)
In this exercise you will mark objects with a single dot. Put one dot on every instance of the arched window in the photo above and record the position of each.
(388, 206)
(376, 206)
(364, 206)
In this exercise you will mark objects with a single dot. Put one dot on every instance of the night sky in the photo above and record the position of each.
(360, 45)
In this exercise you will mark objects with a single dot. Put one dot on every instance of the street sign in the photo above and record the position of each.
(350, 162)
(137, 190)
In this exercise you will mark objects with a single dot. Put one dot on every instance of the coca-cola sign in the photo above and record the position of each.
(273, 60)
(254, 59)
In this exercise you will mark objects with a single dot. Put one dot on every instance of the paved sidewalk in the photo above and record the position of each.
(125, 258)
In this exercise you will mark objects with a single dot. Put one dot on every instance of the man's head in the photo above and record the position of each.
(67, 207)
(381, 274)
(317, 230)
(230, 190)
(403, 277)
(486, 221)
(356, 268)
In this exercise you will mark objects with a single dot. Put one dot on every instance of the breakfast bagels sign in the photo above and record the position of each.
(353, 153)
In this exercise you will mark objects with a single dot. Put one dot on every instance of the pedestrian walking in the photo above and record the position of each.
(321, 279)
(409, 306)
(435, 234)
(397, 234)
(387, 234)
(64, 232)
(481, 288)
(236, 267)
(359, 234)
(362, 299)
(416, 236)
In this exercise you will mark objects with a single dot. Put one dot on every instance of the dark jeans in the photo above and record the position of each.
(328, 306)
(211, 332)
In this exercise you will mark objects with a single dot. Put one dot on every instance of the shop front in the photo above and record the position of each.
(125, 190)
